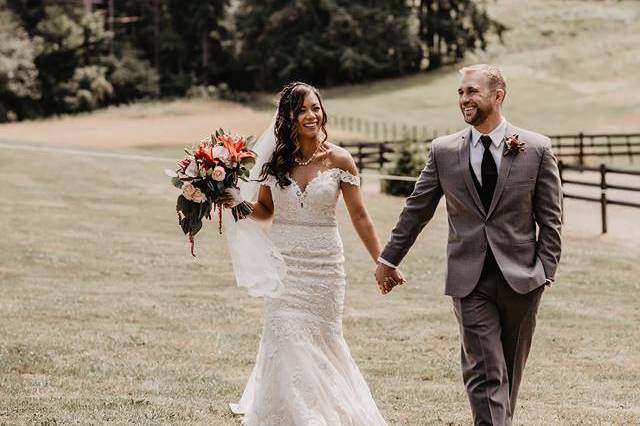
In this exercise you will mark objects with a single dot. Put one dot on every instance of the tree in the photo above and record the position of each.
(19, 87)
(449, 28)
(185, 36)
(323, 42)
(200, 25)
(64, 45)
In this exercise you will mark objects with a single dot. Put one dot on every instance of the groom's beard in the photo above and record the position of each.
(478, 118)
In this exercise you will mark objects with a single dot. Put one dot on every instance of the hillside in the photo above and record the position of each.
(570, 66)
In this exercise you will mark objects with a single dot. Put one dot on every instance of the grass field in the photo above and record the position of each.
(106, 319)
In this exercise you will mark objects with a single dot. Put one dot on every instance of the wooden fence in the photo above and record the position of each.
(572, 151)
(603, 184)
(570, 148)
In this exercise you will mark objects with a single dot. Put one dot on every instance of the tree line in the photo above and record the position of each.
(65, 56)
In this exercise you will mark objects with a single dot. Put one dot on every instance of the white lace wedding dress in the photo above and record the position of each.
(304, 372)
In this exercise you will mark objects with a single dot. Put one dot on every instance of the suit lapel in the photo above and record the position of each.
(503, 174)
(463, 155)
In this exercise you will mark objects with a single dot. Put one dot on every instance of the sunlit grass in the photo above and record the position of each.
(105, 317)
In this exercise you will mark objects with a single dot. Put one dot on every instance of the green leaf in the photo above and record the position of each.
(251, 141)
(175, 181)
(248, 162)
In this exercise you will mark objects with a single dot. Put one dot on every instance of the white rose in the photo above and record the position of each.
(192, 169)
(221, 153)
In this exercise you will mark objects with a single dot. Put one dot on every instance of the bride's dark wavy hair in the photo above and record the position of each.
(286, 131)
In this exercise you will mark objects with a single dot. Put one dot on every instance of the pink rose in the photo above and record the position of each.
(218, 173)
(192, 193)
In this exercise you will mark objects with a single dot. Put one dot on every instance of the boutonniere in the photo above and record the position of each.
(513, 145)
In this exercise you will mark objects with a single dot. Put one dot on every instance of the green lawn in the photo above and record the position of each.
(106, 319)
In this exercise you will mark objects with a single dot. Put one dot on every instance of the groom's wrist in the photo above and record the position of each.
(386, 263)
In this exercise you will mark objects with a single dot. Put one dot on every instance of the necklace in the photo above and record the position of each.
(306, 163)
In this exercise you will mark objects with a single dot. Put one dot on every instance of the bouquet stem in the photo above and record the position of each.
(241, 211)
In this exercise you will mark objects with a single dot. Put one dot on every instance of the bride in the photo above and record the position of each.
(304, 372)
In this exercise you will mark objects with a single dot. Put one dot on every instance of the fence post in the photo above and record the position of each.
(559, 151)
(560, 167)
(603, 196)
(581, 148)
(360, 157)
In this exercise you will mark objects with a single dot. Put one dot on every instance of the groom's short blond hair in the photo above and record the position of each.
(496, 79)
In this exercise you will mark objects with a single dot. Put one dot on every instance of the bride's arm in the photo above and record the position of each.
(263, 207)
(354, 201)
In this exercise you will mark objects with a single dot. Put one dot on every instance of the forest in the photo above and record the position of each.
(67, 56)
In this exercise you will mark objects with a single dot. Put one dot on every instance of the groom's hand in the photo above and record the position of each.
(388, 277)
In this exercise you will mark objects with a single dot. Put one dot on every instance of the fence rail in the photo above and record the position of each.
(603, 184)
(574, 147)
(577, 148)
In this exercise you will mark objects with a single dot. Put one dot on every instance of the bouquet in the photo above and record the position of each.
(214, 165)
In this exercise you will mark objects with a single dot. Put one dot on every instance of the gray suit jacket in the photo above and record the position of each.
(528, 192)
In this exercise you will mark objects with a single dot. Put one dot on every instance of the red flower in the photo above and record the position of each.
(513, 145)
(237, 149)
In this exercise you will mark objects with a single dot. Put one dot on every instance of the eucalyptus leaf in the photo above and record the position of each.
(251, 141)
(249, 162)
(175, 181)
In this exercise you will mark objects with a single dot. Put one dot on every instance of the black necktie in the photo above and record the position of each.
(489, 173)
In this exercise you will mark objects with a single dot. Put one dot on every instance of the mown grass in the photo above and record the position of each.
(106, 319)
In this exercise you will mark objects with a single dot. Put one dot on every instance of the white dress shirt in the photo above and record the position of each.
(496, 148)
(497, 136)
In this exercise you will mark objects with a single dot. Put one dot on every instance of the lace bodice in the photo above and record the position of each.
(315, 205)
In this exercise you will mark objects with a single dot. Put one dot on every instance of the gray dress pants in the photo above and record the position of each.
(496, 329)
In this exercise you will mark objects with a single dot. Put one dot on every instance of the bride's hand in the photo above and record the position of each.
(230, 198)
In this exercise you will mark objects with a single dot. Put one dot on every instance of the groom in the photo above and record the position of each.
(499, 182)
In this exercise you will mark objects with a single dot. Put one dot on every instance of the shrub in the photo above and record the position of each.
(409, 160)
(132, 77)
(87, 90)
(19, 88)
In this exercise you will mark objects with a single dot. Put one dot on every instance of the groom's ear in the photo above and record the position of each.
(500, 95)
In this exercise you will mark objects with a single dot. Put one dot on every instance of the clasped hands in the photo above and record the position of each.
(388, 277)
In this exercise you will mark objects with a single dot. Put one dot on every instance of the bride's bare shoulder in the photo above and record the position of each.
(340, 158)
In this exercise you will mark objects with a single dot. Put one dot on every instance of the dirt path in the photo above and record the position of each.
(175, 123)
